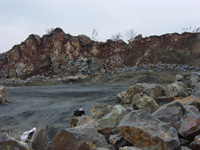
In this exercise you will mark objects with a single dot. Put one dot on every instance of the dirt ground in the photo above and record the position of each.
(37, 106)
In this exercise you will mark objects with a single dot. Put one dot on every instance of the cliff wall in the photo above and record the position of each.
(59, 52)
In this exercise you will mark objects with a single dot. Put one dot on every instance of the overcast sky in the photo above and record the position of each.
(20, 18)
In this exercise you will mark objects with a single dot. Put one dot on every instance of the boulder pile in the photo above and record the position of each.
(94, 68)
(149, 117)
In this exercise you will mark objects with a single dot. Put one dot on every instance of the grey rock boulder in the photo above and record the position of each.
(147, 132)
(98, 111)
(176, 89)
(195, 81)
(142, 101)
(91, 135)
(110, 121)
(154, 90)
(171, 112)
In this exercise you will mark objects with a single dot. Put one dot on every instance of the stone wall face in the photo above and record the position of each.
(59, 52)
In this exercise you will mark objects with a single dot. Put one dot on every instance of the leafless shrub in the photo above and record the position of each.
(130, 34)
(94, 35)
(116, 37)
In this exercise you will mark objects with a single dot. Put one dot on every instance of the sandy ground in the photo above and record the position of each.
(37, 106)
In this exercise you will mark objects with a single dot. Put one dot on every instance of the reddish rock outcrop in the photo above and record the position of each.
(59, 52)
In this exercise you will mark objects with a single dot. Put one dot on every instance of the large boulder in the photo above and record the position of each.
(142, 101)
(67, 141)
(91, 135)
(7, 143)
(98, 111)
(43, 136)
(176, 89)
(147, 132)
(3, 93)
(154, 90)
(190, 126)
(51, 138)
(190, 100)
(195, 145)
(127, 97)
(110, 121)
(195, 81)
(171, 113)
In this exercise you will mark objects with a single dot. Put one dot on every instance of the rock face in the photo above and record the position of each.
(146, 132)
(59, 52)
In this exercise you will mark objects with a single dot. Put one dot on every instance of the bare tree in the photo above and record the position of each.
(191, 29)
(130, 34)
(94, 35)
(49, 31)
(116, 37)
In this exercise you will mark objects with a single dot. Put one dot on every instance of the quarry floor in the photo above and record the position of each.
(37, 106)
